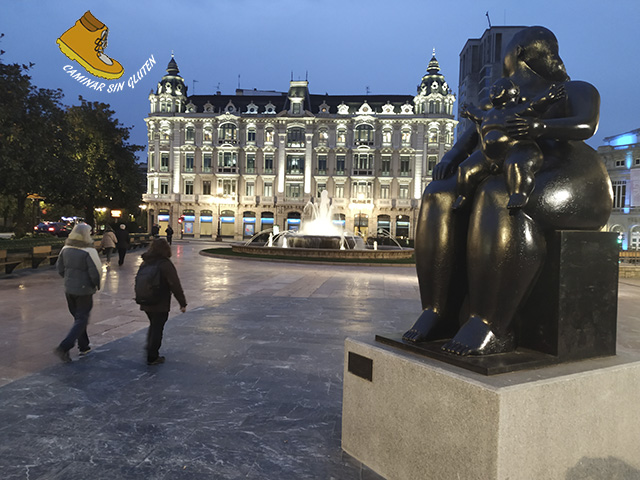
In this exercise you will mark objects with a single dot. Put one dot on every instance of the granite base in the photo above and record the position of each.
(422, 419)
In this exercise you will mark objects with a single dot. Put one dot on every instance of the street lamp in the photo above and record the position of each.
(219, 197)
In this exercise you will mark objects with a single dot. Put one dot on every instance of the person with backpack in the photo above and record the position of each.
(80, 266)
(156, 280)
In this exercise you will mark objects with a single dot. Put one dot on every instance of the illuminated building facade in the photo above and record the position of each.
(621, 155)
(240, 164)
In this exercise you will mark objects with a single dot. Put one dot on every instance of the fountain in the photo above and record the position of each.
(318, 237)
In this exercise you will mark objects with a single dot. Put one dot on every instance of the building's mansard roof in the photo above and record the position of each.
(260, 102)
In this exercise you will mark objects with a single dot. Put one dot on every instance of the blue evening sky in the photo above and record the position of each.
(344, 47)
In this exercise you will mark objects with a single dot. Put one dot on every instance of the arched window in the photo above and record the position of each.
(227, 133)
(364, 134)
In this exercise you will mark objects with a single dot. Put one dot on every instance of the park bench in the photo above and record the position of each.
(8, 265)
(40, 254)
(630, 256)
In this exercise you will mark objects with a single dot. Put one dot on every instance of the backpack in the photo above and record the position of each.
(148, 283)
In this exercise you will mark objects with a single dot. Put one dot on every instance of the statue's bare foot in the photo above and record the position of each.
(517, 200)
(429, 326)
(476, 338)
(460, 203)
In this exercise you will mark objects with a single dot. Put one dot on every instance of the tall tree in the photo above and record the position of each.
(31, 136)
(102, 169)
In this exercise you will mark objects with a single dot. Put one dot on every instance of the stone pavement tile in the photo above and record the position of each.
(251, 389)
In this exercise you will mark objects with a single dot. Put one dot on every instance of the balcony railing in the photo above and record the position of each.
(249, 200)
(362, 173)
(267, 200)
(227, 170)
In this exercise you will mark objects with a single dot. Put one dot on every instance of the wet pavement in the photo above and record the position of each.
(252, 386)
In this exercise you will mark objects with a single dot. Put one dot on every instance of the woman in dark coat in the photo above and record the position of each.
(159, 253)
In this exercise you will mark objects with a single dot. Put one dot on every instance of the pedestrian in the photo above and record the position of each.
(158, 254)
(155, 230)
(79, 264)
(123, 242)
(169, 232)
(108, 242)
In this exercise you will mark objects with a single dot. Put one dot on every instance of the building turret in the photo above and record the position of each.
(171, 94)
(434, 95)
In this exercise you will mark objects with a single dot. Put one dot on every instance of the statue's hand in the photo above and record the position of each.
(524, 127)
(442, 170)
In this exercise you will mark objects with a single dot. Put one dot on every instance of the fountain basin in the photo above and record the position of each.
(328, 253)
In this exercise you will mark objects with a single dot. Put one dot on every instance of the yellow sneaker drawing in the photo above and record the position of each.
(85, 43)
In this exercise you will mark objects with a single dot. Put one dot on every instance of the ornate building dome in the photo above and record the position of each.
(172, 83)
(434, 94)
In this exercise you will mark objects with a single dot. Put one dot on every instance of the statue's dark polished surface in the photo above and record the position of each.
(477, 266)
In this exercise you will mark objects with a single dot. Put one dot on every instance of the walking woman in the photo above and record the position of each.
(108, 243)
(158, 254)
(79, 265)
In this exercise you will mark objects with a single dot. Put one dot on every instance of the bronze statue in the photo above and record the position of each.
(520, 158)
(487, 257)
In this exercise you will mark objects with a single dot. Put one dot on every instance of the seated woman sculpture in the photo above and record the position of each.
(486, 257)
(519, 159)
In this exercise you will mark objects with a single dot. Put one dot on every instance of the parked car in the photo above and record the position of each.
(59, 229)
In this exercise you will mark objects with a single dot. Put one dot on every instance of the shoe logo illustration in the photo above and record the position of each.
(85, 43)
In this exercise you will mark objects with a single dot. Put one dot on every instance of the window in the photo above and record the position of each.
(363, 164)
(268, 135)
(406, 137)
(152, 165)
(190, 134)
(386, 136)
(268, 163)
(295, 164)
(405, 165)
(227, 133)
(323, 137)
(340, 164)
(322, 164)
(433, 135)
(227, 186)
(268, 189)
(206, 163)
(206, 187)
(164, 162)
(364, 135)
(619, 194)
(207, 134)
(384, 225)
(341, 137)
(320, 188)
(188, 187)
(403, 192)
(297, 108)
(384, 191)
(620, 162)
(339, 191)
(293, 190)
(164, 187)
(251, 135)
(385, 165)
(362, 190)
(249, 189)
(432, 160)
(295, 137)
(188, 162)
(227, 161)
(251, 163)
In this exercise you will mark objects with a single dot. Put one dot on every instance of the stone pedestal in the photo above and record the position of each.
(411, 417)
